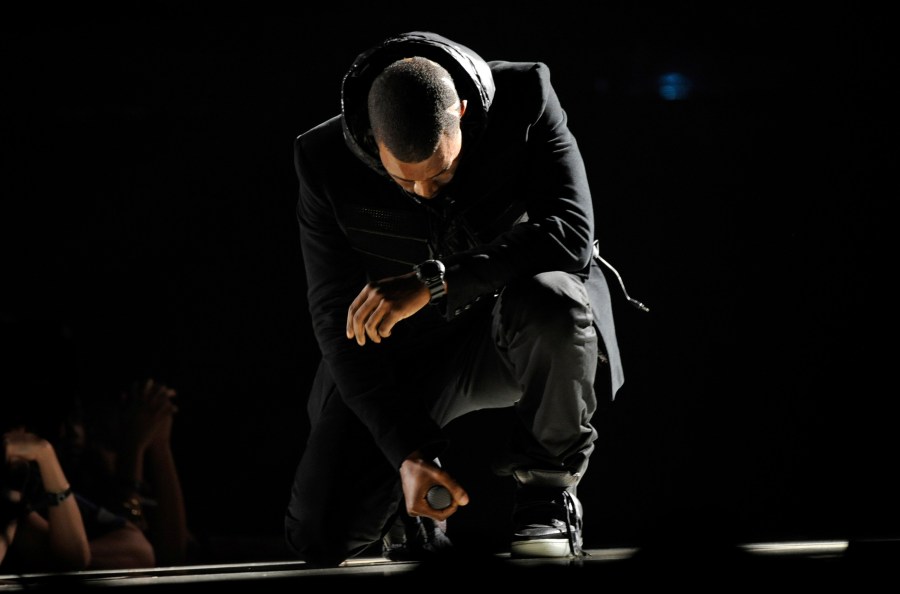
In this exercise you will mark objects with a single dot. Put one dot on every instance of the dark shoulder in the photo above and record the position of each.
(322, 154)
(521, 88)
(322, 146)
(329, 131)
(523, 79)
(522, 73)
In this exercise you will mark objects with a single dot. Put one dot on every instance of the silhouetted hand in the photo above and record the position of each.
(147, 414)
(22, 446)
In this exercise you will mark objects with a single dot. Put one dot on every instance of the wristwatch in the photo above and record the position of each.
(54, 499)
(431, 272)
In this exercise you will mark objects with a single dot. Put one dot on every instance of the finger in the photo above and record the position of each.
(162, 407)
(423, 509)
(149, 387)
(460, 496)
(168, 404)
(160, 392)
(388, 322)
(355, 316)
(374, 322)
(351, 311)
(361, 319)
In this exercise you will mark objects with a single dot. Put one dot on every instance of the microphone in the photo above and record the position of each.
(439, 497)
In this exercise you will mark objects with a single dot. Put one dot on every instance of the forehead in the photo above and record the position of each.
(447, 151)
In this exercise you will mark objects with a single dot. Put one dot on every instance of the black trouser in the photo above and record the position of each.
(537, 350)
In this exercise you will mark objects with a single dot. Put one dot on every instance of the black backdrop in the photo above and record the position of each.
(148, 198)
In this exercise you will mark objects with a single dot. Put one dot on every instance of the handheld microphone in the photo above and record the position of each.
(439, 497)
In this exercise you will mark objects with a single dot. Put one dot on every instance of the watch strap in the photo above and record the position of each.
(431, 272)
(55, 498)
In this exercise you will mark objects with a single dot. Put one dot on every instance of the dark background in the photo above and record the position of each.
(148, 224)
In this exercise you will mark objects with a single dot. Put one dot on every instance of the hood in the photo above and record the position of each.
(470, 73)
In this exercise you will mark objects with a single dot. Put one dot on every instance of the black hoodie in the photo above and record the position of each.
(518, 205)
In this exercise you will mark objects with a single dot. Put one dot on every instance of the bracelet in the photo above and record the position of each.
(54, 499)
(133, 508)
(135, 512)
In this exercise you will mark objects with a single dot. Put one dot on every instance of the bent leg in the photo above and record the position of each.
(344, 490)
(543, 327)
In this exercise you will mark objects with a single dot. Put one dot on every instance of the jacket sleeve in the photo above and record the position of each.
(550, 181)
(397, 419)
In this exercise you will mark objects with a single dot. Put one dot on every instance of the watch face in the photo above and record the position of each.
(431, 272)
(431, 269)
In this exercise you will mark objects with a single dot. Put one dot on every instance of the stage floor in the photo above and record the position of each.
(813, 562)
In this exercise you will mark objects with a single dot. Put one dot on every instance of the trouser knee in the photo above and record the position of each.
(553, 305)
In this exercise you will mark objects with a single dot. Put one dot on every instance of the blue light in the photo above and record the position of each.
(674, 86)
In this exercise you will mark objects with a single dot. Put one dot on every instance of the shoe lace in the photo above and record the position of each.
(571, 521)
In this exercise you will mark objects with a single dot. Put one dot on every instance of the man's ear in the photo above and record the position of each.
(462, 107)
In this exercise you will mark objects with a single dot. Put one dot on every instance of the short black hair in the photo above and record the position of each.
(409, 107)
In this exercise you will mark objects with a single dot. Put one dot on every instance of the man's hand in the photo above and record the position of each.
(146, 415)
(381, 304)
(417, 475)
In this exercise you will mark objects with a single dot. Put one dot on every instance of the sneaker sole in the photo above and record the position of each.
(541, 548)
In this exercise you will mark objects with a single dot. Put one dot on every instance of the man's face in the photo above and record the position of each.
(426, 178)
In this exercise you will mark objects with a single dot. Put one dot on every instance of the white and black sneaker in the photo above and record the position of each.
(547, 522)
